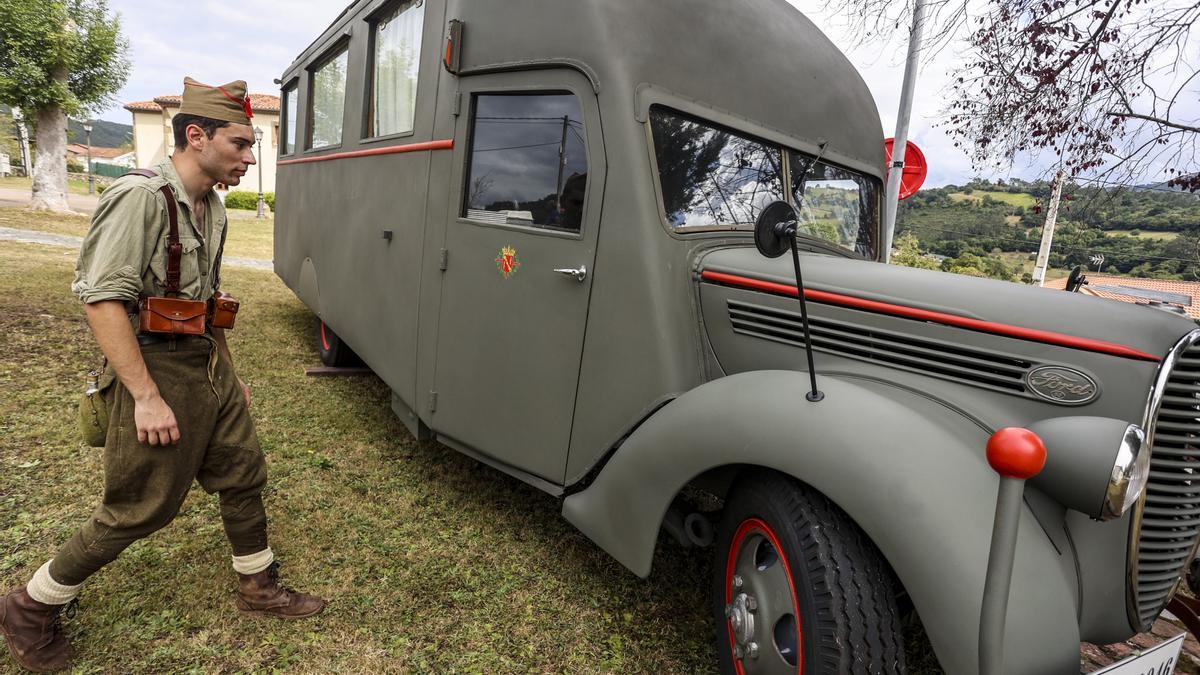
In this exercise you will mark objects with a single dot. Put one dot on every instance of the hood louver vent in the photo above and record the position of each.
(972, 366)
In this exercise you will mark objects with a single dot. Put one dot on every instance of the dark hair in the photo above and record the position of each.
(181, 122)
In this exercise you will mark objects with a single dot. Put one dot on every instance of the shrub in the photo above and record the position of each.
(242, 199)
(75, 167)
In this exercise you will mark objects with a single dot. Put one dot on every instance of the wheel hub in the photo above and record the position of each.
(740, 613)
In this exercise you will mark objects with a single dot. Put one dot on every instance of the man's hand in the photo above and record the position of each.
(155, 421)
(245, 391)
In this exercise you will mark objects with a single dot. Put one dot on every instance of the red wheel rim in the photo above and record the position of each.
(324, 340)
(758, 526)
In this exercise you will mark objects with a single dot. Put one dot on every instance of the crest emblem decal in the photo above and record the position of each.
(507, 261)
(1062, 385)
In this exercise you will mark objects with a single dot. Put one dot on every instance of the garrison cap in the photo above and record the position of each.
(226, 103)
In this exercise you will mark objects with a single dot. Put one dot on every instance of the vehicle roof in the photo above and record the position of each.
(759, 59)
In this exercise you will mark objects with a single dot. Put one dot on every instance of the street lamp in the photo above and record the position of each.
(87, 128)
(258, 146)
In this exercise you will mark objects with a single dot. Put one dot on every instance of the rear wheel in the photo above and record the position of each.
(798, 588)
(333, 351)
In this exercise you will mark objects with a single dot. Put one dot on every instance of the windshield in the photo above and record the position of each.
(713, 178)
(835, 204)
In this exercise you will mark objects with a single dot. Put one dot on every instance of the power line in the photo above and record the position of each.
(517, 147)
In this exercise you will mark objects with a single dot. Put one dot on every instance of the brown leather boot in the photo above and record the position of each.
(262, 595)
(33, 633)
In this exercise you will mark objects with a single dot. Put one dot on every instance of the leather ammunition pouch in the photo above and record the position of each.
(223, 309)
(171, 315)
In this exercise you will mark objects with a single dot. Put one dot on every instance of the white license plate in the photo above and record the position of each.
(1158, 660)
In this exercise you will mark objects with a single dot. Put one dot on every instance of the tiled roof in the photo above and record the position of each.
(1188, 288)
(82, 150)
(259, 102)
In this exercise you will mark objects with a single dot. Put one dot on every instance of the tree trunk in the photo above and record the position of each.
(50, 165)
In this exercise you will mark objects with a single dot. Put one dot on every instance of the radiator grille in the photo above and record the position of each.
(1170, 514)
(953, 362)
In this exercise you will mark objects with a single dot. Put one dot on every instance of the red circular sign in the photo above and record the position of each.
(915, 168)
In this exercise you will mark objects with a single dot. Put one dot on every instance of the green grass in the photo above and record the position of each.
(431, 562)
(75, 187)
(1013, 198)
(1144, 234)
(248, 237)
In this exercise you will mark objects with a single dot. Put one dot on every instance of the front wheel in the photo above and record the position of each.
(798, 588)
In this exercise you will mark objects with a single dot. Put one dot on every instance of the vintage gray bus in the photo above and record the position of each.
(533, 220)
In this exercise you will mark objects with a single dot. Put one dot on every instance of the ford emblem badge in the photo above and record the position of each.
(1066, 386)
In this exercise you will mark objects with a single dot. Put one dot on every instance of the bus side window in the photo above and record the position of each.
(395, 62)
(327, 101)
(528, 161)
(290, 97)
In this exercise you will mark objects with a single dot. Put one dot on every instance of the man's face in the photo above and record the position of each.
(227, 156)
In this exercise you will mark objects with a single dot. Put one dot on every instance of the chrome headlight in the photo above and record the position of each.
(1095, 465)
(1129, 474)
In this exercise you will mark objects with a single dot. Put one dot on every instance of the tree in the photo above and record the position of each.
(58, 58)
(1103, 84)
(1107, 86)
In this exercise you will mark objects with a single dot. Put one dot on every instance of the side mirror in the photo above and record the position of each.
(774, 229)
(1077, 280)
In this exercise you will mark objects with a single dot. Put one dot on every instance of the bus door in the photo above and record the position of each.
(520, 247)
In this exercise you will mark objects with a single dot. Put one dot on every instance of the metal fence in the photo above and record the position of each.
(109, 170)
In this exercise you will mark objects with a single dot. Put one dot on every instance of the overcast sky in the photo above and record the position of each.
(220, 40)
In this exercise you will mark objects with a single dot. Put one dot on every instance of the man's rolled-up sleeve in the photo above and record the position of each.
(116, 249)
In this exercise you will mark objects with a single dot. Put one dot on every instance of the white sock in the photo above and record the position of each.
(43, 588)
(253, 563)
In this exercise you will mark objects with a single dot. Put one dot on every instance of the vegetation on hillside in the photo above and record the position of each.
(968, 229)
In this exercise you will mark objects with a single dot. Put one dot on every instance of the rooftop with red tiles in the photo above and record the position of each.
(1190, 289)
(258, 102)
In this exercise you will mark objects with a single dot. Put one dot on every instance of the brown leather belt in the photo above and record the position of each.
(147, 339)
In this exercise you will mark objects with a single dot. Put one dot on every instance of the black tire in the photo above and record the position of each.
(842, 604)
(334, 352)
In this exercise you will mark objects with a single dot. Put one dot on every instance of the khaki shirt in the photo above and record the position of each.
(124, 254)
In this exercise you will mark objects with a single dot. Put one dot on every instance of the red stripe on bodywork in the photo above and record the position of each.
(411, 147)
(1006, 330)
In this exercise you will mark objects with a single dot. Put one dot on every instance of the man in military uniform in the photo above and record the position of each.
(178, 411)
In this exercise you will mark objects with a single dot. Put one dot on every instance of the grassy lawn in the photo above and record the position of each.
(75, 187)
(1145, 234)
(1013, 198)
(431, 561)
(248, 237)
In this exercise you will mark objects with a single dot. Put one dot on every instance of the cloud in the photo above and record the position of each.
(252, 40)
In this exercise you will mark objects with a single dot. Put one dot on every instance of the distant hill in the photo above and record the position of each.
(104, 134)
(1161, 186)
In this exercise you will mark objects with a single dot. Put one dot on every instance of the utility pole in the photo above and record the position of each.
(896, 170)
(1043, 259)
(562, 162)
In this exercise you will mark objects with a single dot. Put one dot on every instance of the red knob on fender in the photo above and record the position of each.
(1015, 452)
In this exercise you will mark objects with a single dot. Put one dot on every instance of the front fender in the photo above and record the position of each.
(910, 471)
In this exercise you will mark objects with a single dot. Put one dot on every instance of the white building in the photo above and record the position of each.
(153, 138)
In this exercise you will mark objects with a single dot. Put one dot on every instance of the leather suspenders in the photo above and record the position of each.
(174, 248)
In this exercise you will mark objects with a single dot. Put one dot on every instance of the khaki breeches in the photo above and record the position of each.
(145, 485)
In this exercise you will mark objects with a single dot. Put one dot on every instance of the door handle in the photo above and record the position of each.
(579, 274)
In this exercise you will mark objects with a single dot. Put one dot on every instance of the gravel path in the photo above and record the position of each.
(66, 241)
